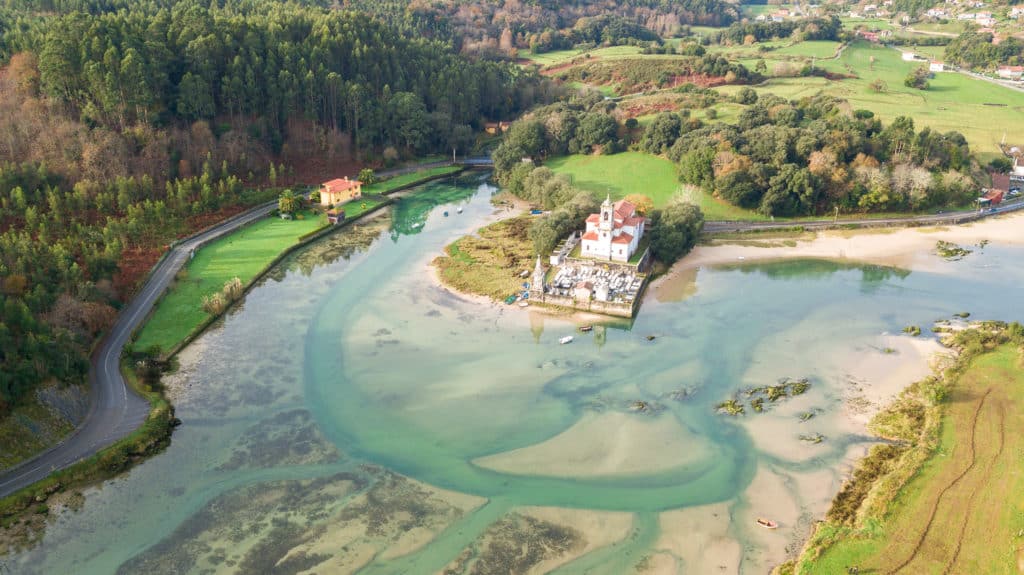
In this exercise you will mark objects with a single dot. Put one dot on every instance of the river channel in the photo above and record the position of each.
(354, 416)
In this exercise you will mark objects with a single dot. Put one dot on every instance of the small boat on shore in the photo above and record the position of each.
(524, 304)
(565, 340)
(767, 523)
(458, 210)
(586, 328)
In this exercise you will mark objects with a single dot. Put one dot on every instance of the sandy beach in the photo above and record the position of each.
(909, 248)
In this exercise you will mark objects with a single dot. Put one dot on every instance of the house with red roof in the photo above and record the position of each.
(339, 191)
(614, 234)
(1011, 72)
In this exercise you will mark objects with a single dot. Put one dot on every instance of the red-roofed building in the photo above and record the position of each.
(994, 197)
(614, 234)
(1011, 72)
(340, 191)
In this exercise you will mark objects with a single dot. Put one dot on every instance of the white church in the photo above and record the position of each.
(614, 234)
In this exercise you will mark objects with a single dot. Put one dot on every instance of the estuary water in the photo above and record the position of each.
(353, 416)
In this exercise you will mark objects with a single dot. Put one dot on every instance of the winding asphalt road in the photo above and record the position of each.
(952, 218)
(115, 410)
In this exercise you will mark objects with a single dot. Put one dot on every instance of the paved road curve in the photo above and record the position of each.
(930, 220)
(115, 410)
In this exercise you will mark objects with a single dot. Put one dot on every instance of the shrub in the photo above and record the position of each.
(367, 176)
(214, 304)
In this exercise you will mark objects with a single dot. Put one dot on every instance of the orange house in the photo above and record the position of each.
(340, 191)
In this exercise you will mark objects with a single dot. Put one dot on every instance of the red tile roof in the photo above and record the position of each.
(341, 185)
(624, 209)
(592, 236)
(622, 238)
(594, 219)
(634, 221)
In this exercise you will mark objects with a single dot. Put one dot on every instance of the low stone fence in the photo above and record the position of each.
(640, 267)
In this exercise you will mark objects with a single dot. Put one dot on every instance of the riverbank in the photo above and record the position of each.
(23, 512)
(946, 495)
(248, 254)
(907, 248)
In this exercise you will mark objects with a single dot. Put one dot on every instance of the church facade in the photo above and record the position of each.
(614, 234)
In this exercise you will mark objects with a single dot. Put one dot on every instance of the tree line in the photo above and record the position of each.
(781, 158)
(973, 49)
(501, 28)
(806, 29)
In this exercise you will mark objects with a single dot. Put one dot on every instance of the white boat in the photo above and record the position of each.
(459, 210)
(524, 304)
(565, 340)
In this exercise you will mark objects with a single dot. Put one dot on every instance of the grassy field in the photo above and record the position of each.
(952, 27)
(242, 254)
(406, 179)
(560, 56)
(810, 49)
(964, 511)
(489, 263)
(982, 111)
(870, 23)
(610, 91)
(639, 173)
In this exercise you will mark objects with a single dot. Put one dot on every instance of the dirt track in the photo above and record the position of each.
(962, 518)
(972, 457)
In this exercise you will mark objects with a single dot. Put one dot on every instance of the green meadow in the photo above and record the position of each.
(983, 112)
(390, 184)
(638, 173)
(242, 254)
(561, 56)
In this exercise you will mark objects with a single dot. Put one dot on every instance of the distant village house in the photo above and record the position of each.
(872, 36)
(339, 191)
(1011, 72)
(936, 67)
(495, 128)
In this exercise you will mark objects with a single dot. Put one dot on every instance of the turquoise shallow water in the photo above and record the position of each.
(353, 343)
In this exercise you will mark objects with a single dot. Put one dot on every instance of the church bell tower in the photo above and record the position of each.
(607, 216)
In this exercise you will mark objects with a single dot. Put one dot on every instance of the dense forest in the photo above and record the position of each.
(126, 124)
(503, 26)
(807, 29)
